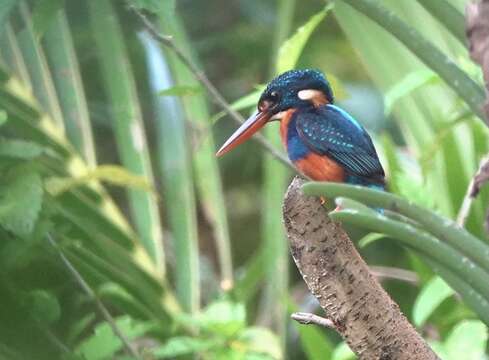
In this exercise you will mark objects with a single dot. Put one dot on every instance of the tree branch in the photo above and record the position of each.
(354, 302)
(308, 318)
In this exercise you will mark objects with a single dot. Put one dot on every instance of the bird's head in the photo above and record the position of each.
(293, 89)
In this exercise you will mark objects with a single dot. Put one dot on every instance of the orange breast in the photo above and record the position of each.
(284, 126)
(315, 166)
(320, 168)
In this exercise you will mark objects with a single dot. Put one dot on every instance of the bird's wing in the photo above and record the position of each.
(331, 131)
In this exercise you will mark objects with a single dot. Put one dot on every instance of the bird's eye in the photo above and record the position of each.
(274, 98)
(269, 101)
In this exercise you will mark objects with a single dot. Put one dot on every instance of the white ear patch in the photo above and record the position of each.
(309, 94)
(278, 116)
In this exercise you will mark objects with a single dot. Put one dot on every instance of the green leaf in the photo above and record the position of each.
(43, 14)
(291, 49)
(410, 83)
(462, 263)
(369, 239)
(462, 84)
(441, 227)
(206, 172)
(261, 341)
(181, 90)
(343, 352)
(346, 203)
(424, 243)
(223, 317)
(468, 293)
(79, 327)
(122, 299)
(37, 68)
(430, 297)
(103, 344)
(467, 341)
(88, 211)
(43, 306)
(20, 200)
(184, 345)
(112, 174)
(118, 80)
(174, 160)
(447, 15)
(60, 52)
(21, 149)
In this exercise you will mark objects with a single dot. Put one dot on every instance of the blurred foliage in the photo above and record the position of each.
(187, 252)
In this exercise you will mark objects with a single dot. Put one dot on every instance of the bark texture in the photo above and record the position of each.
(477, 28)
(361, 311)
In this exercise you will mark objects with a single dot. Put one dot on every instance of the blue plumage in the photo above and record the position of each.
(296, 148)
(323, 141)
(290, 82)
(328, 131)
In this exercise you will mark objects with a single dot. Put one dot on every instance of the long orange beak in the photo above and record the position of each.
(254, 123)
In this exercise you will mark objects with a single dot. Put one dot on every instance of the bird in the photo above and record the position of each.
(322, 140)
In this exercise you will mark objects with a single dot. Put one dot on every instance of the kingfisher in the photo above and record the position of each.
(323, 141)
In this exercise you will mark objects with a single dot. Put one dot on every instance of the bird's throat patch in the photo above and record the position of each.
(284, 125)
